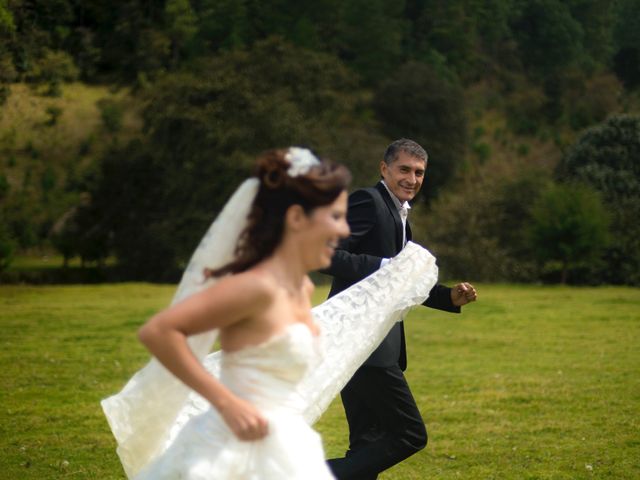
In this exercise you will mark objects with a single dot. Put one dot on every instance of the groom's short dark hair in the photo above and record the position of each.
(404, 145)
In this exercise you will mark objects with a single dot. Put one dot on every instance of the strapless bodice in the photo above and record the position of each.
(267, 374)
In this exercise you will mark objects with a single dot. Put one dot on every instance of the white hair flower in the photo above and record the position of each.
(301, 161)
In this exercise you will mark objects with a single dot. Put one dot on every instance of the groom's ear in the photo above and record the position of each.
(295, 218)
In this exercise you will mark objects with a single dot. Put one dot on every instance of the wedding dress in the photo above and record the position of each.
(265, 375)
(291, 378)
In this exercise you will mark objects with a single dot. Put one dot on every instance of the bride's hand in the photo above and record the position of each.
(244, 420)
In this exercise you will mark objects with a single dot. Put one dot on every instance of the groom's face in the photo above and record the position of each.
(404, 176)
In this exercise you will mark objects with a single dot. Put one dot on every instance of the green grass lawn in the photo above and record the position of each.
(529, 383)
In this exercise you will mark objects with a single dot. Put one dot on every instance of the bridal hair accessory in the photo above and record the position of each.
(301, 161)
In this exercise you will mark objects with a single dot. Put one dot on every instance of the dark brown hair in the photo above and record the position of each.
(404, 145)
(320, 186)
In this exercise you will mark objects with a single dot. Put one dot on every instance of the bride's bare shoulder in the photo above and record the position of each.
(249, 287)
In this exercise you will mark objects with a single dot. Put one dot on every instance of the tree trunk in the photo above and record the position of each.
(565, 273)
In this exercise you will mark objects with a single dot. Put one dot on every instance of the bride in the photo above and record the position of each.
(244, 412)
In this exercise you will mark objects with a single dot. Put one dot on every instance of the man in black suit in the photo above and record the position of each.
(385, 425)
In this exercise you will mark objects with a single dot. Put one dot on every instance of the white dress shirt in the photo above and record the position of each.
(403, 211)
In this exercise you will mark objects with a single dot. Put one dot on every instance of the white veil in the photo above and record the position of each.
(143, 414)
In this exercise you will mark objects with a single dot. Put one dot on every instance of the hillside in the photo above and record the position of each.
(49, 145)
(502, 94)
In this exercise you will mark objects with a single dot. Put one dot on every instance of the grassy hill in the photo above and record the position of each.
(48, 144)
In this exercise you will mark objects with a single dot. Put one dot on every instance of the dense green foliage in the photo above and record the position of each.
(529, 382)
(497, 91)
(569, 225)
(130, 39)
(607, 158)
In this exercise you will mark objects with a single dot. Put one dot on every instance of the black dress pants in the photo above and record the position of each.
(385, 425)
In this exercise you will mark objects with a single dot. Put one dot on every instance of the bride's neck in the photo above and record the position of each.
(287, 267)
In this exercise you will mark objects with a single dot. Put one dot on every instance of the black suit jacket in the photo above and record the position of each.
(376, 233)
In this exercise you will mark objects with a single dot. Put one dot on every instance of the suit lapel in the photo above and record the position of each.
(394, 214)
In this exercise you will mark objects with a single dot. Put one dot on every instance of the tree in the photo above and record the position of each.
(607, 158)
(569, 225)
(416, 102)
(223, 25)
(448, 29)
(596, 18)
(154, 198)
(548, 36)
(7, 246)
(181, 26)
(370, 35)
(626, 61)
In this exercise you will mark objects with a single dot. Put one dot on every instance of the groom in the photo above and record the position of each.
(385, 425)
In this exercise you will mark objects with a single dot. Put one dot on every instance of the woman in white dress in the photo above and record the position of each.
(267, 334)
(245, 411)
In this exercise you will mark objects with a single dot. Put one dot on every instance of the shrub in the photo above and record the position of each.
(54, 113)
(482, 151)
(111, 113)
(569, 226)
(53, 69)
(5, 93)
(7, 246)
(606, 157)
(4, 186)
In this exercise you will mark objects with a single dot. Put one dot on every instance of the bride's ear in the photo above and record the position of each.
(295, 218)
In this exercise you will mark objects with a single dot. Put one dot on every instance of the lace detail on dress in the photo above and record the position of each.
(354, 322)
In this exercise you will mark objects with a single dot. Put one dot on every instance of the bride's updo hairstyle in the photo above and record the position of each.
(284, 181)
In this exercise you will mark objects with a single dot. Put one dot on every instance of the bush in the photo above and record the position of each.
(111, 113)
(590, 101)
(478, 230)
(606, 157)
(525, 110)
(53, 68)
(54, 113)
(5, 93)
(7, 246)
(482, 151)
(569, 226)
(4, 186)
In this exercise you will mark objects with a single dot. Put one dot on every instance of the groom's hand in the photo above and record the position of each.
(463, 293)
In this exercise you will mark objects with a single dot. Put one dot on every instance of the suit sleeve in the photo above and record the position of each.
(361, 217)
(440, 299)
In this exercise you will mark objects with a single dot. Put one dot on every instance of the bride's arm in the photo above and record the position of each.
(231, 300)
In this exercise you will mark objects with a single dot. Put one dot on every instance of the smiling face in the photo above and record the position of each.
(326, 226)
(404, 175)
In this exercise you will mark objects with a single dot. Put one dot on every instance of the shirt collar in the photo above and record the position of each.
(395, 199)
